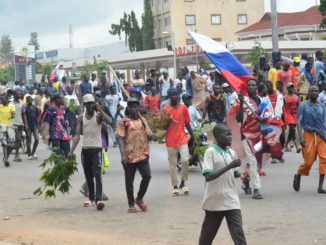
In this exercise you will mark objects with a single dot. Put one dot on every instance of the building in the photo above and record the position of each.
(218, 19)
(302, 26)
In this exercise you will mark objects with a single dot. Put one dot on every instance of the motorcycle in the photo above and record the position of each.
(196, 152)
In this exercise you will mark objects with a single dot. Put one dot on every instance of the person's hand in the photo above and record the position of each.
(236, 163)
(70, 155)
(302, 143)
(124, 161)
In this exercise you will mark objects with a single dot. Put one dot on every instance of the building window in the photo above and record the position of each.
(167, 20)
(159, 22)
(190, 20)
(190, 42)
(242, 19)
(215, 19)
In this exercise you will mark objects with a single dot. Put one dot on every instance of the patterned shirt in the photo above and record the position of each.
(56, 118)
(134, 134)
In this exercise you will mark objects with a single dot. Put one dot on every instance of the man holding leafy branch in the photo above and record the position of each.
(89, 124)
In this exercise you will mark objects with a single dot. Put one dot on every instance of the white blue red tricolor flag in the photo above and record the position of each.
(225, 62)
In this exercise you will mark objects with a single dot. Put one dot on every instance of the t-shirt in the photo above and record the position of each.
(152, 103)
(175, 135)
(295, 75)
(85, 88)
(194, 116)
(319, 68)
(56, 118)
(219, 194)
(285, 77)
(134, 134)
(5, 114)
(31, 113)
(182, 81)
(51, 90)
(112, 101)
(165, 86)
(57, 85)
(291, 104)
(18, 119)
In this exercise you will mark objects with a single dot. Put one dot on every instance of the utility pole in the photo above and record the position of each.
(275, 51)
(71, 33)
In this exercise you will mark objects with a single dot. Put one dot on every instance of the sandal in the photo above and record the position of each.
(88, 203)
(185, 190)
(142, 206)
(299, 149)
(257, 196)
(132, 210)
(246, 189)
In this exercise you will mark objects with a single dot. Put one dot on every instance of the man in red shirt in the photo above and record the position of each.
(285, 75)
(176, 140)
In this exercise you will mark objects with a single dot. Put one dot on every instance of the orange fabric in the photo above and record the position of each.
(314, 146)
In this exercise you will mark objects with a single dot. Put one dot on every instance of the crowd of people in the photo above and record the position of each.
(284, 107)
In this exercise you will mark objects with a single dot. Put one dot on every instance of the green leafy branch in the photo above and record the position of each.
(56, 174)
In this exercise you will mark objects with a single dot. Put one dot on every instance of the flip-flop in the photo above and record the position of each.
(142, 206)
(88, 203)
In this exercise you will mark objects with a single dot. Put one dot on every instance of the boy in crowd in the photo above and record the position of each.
(152, 101)
(221, 198)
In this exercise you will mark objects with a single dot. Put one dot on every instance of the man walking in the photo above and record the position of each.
(90, 124)
(176, 140)
(134, 133)
(311, 118)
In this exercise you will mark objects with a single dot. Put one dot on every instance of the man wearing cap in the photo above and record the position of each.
(176, 140)
(134, 134)
(295, 72)
(229, 95)
(89, 125)
(312, 118)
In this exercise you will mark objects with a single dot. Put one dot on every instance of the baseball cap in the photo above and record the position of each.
(88, 98)
(225, 85)
(290, 85)
(296, 59)
(172, 91)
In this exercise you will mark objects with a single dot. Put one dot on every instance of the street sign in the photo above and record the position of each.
(24, 51)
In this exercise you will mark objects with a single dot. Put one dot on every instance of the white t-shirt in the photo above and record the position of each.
(220, 194)
(112, 101)
(74, 97)
(94, 84)
(165, 86)
(183, 81)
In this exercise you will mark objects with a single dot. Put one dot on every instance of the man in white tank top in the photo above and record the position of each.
(89, 125)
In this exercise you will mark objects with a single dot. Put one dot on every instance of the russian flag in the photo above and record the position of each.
(55, 73)
(225, 62)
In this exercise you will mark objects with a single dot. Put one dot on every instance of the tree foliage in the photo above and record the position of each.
(98, 66)
(6, 50)
(322, 9)
(256, 51)
(137, 38)
(43, 69)
(7, 73)
(34, 41)
(148, 27)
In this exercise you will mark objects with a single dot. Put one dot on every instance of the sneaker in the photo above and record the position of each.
(100, 205)
(175, 192)
(105, 197)
(185, 190)
(30, 158)
(7, 164)
(35, 156)
(132, 210)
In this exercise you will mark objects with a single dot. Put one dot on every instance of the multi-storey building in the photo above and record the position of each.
(218, 19)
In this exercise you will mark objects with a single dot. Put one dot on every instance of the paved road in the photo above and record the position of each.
(282, 217)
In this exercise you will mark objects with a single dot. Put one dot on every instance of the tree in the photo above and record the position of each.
(256, 51)
(6, 50)
(34, 41)
(135, 33)
(43, 69)
(148, 27)
(98, 66)
(322, 9)
(7, 73)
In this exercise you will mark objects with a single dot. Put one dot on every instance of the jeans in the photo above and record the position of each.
(35, 134)
(130, 171)
(61, 147)
(92, 164)
(291, 136)
(212, 223)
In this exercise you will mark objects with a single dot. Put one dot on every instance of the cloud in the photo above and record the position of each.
(91, 20)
